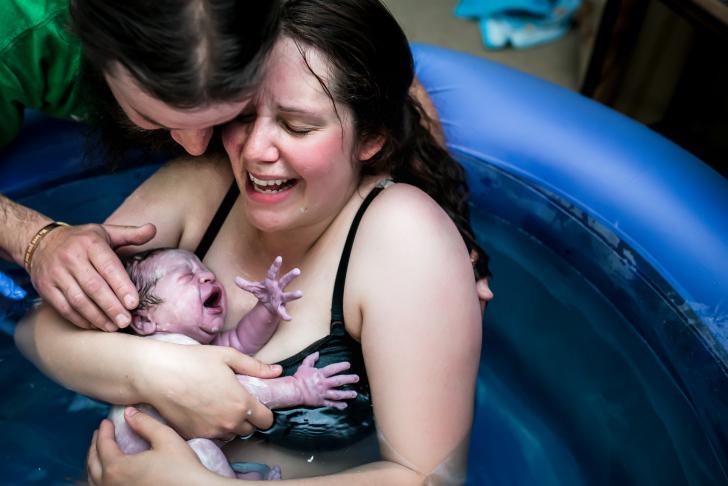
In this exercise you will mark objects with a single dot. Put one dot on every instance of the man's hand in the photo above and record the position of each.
(76, 270)
(485, 295)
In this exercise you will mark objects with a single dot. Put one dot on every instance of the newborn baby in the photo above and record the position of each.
(182, 302)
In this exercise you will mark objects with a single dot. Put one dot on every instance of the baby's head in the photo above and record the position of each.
(177, 294)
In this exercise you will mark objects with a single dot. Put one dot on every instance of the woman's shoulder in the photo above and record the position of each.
(404, 223)
(402, 209)
(177, 198)
(203, 171)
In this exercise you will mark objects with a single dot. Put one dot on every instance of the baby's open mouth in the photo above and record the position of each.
(213, 300)
(270, 186)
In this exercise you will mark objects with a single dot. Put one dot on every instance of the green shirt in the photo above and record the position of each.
(39, 63)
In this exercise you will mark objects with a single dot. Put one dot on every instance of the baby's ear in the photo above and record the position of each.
(142, 325)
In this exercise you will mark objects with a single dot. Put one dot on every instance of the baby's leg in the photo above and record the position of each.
(212, 457)
(129, 442)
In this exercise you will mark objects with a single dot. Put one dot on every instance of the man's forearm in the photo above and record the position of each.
(18, 224)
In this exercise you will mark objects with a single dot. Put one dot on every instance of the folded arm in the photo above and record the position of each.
(194, 387)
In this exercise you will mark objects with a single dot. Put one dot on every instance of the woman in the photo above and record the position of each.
(165, 70)
(312, 153)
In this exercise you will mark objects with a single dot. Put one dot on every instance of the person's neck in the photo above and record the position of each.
(293, 245)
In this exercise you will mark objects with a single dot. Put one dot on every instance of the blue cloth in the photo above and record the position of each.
(519, 23)
(10, 289)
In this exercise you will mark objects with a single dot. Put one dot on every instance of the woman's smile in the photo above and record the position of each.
(269, 189)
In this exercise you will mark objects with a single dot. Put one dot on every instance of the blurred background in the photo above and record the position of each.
(663, 63)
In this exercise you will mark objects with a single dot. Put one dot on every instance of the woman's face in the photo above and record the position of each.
(191, 129)
(292, 156)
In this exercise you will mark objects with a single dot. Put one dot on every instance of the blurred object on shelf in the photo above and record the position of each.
(519, 23)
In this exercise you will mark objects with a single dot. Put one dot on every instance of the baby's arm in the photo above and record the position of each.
(309, 386)
(257, 326)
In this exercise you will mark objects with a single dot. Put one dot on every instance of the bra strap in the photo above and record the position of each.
(337, 301)
(217, 221)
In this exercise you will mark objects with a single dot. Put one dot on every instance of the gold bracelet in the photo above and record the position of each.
(30, 249)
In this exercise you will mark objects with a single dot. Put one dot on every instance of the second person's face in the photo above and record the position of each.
(192, 128)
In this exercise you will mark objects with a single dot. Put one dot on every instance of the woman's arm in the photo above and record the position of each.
(434, 126)
(193, 387)
(421, 334)
(171, 461)
(420, 331)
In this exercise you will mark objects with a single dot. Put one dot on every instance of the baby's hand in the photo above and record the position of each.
(270, 291)
(317, 384)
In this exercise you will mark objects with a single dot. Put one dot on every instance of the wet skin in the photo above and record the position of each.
(192, 311)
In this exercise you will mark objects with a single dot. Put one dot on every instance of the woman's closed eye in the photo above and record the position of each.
(296, 129)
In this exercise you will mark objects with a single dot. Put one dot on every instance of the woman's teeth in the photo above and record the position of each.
(270, 186)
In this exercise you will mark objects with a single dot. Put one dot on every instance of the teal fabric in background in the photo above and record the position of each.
(519, 23)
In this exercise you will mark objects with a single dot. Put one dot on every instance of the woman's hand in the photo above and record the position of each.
(195, 389)
(75, 269)
(169, 461)
(485, 295)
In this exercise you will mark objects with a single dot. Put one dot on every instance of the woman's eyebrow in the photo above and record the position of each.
(302, 112)
(293, 109)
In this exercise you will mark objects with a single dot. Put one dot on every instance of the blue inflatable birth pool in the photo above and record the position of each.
(605, 351)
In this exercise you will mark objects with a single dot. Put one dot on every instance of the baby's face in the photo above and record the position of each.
(193, 300)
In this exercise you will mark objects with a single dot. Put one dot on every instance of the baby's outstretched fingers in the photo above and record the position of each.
(287, 278)
(310, 360)
(338, 395)
(335, 368)
(340, 380)
(252, 287)
(283, 313)
(289, 296)
(274, 268)
(339, 405)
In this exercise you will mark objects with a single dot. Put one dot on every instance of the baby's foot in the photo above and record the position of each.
(253, 471)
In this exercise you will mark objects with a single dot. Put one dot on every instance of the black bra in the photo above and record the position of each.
(321, 428)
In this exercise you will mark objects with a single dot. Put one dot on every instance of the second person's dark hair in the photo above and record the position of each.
(186, 53)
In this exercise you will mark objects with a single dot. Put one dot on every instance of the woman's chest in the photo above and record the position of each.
(310, 315)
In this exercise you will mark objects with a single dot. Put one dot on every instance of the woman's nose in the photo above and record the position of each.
(194, 141)
(259, 145)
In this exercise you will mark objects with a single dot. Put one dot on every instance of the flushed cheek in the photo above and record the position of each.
(319, 158)
(233, 139)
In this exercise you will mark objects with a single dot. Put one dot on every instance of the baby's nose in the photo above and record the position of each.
(207, 277)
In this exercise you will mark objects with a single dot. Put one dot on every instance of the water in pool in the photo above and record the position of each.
(568, 392)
